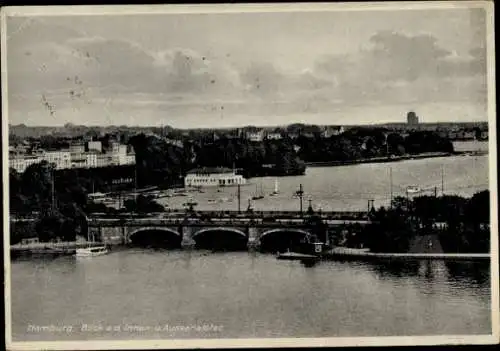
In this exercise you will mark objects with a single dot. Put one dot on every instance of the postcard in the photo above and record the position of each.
(249, 175)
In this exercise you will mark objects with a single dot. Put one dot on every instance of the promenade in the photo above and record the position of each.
(395, 158)
(357, 254)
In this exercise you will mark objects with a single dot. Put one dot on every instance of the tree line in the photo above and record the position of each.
(461, 224)
(160, 162)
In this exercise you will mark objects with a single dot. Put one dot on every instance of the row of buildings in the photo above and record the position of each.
(261, 134)
(79, 155)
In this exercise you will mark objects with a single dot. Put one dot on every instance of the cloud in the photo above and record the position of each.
(401, 67)
(77, 72)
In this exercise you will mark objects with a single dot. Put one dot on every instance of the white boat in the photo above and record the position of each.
(92, 251)
(413, 189)
(276, 190)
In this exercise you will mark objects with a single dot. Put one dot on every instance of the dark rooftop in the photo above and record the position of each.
(210, 170)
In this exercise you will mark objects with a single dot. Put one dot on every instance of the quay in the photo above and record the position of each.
(356, 254)
(396, 158)
(50, 248)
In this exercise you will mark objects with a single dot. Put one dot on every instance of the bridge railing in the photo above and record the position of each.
(236, 214)
(172, 221)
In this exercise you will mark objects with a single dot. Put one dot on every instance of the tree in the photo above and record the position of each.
(50, 227)
(143, 204)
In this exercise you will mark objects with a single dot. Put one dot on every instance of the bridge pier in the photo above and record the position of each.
(187, 241)
(253, 238)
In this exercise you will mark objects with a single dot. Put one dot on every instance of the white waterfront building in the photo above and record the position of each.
(75, 157)
(219, 176)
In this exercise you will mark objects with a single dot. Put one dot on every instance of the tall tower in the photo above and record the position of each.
(412, 118)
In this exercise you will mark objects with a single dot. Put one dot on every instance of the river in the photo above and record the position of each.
(243, 295)
(140, 293)
(350, 187)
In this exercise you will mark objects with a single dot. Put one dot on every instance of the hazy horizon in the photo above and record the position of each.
(238, 69)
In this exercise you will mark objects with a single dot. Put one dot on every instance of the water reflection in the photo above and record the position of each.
(459, 274)
(477, 272)
(145, 286)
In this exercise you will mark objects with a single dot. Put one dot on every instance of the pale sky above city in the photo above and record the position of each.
(233, 69)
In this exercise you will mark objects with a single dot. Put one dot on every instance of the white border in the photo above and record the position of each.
(278, 342)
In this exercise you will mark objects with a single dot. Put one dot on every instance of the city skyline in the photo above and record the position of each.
(186, 71)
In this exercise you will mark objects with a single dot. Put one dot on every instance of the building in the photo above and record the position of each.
(256, 136)
(21, 163)
(177, 142)
(213, 177)
(412, 118)
(103, 160)
(274, 136)
(91, 159)
(61, 158)
(77, 148)
(95, 146)
(331, 131)
(75, 157)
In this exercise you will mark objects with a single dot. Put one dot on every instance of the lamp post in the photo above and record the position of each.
(239, 198)
(300, 194)
(249, 208)
(190, 205)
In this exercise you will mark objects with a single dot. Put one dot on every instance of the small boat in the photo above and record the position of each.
(211, 201)
(276, 191)
(296, 256)
(413, 189)
(92, 251)
(258, 195)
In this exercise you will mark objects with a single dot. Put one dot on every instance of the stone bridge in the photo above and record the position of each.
(188, 231)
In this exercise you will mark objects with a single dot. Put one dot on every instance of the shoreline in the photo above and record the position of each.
(69, 248)
(394, 159)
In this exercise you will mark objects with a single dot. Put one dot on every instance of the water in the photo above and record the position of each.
(349, 187)
(243, 295)
(148, 294)
(475, 145)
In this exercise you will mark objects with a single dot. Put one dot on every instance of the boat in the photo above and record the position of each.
(413, 189)
(276, 191)
(258, 195)
(295, 256)
(92, 251)
(310, 253)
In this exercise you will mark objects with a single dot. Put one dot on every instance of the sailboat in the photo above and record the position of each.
(276, 190)
(413, 189)
(91, 251)
(258, 196)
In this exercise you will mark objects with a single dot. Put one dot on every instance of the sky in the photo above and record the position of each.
(258, 68)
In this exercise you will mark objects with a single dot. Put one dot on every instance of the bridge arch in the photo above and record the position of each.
(158, 229)
(283, 239)
(286, 230)
(220, 229)
(221, 238)
(156, 237)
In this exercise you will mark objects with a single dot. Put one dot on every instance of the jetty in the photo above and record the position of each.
(58, 248)
(295, 256)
